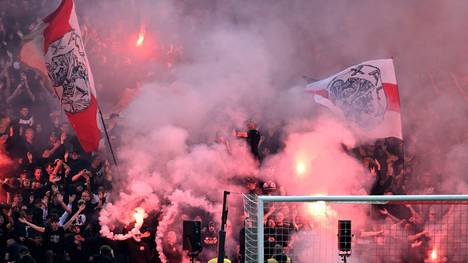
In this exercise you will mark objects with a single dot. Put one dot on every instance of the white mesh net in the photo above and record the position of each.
(397, 231)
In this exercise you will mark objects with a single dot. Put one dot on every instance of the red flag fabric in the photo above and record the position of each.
(366, 95)
(62, 52)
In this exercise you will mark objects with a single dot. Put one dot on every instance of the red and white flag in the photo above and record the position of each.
(56, 49)
(366, 95)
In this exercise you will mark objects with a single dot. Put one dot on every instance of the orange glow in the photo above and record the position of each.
(141, 38)
(434, 254)
(302, 162)
(139, 216)
(300, 168)
(317, 209)
(320, 211)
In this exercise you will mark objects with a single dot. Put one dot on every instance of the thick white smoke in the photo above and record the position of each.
(241, 60)
(313, 161)
(171, 212)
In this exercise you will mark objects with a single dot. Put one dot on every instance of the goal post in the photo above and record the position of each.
(414, 232)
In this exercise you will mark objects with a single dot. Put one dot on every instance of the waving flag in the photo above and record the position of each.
(56, 49)
(366, 95)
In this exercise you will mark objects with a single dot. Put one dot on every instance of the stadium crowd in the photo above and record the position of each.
(393, 233)
(51, 190)
(54, 190)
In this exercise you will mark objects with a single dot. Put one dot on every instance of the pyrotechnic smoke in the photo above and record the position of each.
(322, 240)
(171, 169)
(179, 198)
(139, 215)
(190, 72)
(326, 168)
(240, 60)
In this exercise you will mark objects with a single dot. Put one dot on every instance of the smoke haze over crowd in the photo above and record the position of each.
(240, 61)
(246, 61)
(208, 66)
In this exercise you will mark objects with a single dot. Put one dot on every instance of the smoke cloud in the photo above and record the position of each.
(218, 63)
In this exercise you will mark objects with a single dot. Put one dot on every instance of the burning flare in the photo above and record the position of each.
(320, 211)
(300, 168)
(141, 38)
(139, 215)
(303, 163)
(434, 254)
(317, 209)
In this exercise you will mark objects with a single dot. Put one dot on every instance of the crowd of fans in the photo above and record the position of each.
(54, 190)
(51, 190)
(393, 232)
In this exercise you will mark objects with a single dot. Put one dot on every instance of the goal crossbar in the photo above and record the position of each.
(371, 199)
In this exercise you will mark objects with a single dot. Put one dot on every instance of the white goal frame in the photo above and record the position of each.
(367, 199)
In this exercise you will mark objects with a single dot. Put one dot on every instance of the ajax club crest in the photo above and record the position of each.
(359, 93)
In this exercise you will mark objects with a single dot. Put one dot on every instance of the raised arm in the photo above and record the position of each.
(66, 168)
(15, 93)
(65, 207)
(54, 148)
(417, 236)
(33, 226)
(78, 175)
(268, 214)
(394, 218)
(415, 215)
(294, 222)
(28, 91)
(73, 218)
(87, 177)
(58, 166)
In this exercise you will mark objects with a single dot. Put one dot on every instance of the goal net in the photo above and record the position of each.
(426, 228)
